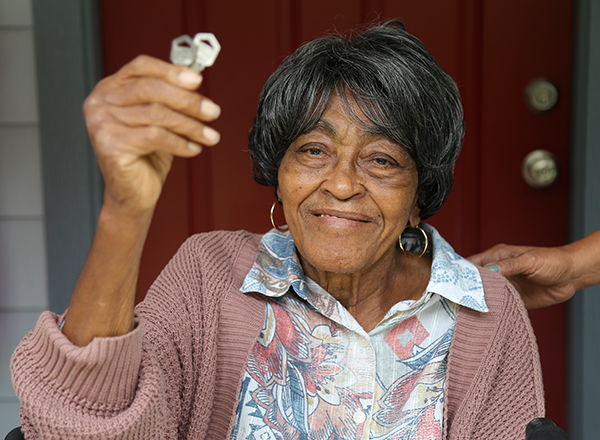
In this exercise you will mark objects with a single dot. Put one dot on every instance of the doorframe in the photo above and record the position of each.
(69, 63)
(584, 308)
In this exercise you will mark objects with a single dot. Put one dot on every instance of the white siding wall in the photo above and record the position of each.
(23, 285)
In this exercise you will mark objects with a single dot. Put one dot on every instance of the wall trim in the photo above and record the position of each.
(68, 64)
(584, 308)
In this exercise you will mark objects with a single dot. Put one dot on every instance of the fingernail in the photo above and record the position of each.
(189, 77)
(492, 267)
(211, 135)
(210, 109)
(194, 147)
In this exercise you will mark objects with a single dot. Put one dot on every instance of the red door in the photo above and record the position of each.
(493, 48)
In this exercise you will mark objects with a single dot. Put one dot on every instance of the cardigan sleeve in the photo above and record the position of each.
(155, 382)
(107, 389)
(495, 365)
(142, 385)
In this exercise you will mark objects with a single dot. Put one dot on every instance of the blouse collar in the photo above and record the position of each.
(277, 268)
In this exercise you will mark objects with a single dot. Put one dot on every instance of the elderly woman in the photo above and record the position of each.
(353, 321)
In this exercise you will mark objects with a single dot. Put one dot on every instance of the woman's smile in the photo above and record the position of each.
(347, 194)
(342, 218)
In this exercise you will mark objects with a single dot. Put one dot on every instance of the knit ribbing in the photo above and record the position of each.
(505, 392)
(185, 305)
(82, 371)
(66, 390)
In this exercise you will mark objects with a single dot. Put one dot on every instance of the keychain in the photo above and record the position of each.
(197, 54)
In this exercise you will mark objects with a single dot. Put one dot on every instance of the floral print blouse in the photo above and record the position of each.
(314, 373)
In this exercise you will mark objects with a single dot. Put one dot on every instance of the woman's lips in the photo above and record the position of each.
(341, 215)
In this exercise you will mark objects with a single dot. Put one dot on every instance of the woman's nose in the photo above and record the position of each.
(343, 180)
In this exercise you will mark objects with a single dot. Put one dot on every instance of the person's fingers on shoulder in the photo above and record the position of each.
(519, 265)
(478, 259)
(506, 259)
(521, 260)
(494, 254)
(482, 258)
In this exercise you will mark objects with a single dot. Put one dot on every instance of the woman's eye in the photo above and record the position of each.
(312, 150)
(313, 155)
(384, 161)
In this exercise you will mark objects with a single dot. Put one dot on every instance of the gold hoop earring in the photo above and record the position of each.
(273, 220)
(412, 244)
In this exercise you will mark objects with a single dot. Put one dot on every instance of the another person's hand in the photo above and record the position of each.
(138, 119)
(541, 275)
(546, 276)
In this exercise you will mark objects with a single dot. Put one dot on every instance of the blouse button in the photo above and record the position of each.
(359, 417)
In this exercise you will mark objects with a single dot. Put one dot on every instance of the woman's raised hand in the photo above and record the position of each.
(138, 119)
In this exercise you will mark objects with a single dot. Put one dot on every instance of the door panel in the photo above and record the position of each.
(524, 41)
(492, 48)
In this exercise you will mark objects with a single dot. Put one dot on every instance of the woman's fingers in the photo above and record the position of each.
(173, 116)
(154, 90)
(124, 146)
(151, 93)
(134, 169)
(146, 140)
(138, 119)
(145, 66)
(159, 115)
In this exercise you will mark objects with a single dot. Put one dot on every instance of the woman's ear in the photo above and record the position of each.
(415, 216)
(415, 212)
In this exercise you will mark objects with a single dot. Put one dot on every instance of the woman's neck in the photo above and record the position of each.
(371, 293)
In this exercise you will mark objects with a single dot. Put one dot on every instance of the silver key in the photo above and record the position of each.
(183, 52)
(197, 54)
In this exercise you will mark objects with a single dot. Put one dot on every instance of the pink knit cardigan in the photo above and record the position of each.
(178, 373)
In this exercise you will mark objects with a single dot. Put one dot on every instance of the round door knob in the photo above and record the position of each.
(542, 95)
(540, 169)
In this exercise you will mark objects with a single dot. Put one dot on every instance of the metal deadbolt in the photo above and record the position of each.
(540, 169)
(541, 95)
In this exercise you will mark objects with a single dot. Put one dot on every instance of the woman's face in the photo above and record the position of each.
(347, 193)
